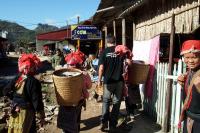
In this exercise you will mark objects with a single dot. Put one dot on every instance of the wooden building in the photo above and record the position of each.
(131, 20)
(137, 20)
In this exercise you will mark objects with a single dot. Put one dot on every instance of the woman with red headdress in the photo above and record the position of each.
(190, 82)
(26, 97)
(131, 91)
(69, 116)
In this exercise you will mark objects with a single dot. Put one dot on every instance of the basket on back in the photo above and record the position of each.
(68, 86)
(138, 73)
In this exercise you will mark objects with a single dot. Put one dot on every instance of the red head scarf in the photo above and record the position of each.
(75, 58)
(123, 50)
(28, 63)
(190, 46)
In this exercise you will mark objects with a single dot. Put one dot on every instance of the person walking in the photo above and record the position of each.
(190, 82)
(26, 96)
(88, 62)
(111, 68)
(57, 59)
(133, 98)
(69, 117)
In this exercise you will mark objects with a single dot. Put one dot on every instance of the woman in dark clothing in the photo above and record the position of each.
(69, 117)
(26, 97)
(191, 87)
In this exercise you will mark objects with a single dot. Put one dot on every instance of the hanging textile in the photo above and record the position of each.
(148, 51)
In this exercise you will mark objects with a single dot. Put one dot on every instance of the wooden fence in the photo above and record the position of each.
(157, 105)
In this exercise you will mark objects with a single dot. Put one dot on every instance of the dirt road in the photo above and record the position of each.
(90, 121)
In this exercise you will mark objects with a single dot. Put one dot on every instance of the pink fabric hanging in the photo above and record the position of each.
(153, 59)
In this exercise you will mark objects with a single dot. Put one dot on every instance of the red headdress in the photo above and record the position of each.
(75, 58)
(123, 50)
(28, 63)
(190, 46)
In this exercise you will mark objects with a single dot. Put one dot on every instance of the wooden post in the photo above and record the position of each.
(101, 43)
(78, 19)
(78, 44)
(36, 43)
(169, 83)
(100, 46)
(106, 34)
(123, 31)
(134, 33)
(114, 28)
(57, 45)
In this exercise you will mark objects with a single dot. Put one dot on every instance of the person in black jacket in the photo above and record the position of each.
(111, 68)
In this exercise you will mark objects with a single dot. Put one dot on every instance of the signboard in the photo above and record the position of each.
(85, 32)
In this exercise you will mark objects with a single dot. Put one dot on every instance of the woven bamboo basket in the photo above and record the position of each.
(68, 89)
(138, 73)
(99, 90)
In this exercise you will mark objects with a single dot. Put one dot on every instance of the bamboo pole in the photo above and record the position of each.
(106, 34)
(169, 83)
(123, 32)
(134, 33)
(114, 28)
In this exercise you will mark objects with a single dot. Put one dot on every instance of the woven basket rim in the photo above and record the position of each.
(67, 69)
(138, 63)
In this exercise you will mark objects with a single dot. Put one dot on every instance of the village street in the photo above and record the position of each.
(90, 118)
(90, 122)
(146, 52)
(140, 124)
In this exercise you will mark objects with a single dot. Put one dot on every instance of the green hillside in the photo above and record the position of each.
(20, 36)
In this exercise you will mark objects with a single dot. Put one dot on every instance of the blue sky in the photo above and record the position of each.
(54, 12)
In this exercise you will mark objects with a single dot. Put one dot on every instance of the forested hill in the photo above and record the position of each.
(41, 28)
(19, 35)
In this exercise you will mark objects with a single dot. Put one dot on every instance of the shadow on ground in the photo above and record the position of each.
(143, 124)
(90, 123)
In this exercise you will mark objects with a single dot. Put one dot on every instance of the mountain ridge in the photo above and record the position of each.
(19, 36)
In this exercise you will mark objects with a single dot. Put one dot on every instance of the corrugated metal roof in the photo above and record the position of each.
(132, 8)
(109, 10)
(58, 35)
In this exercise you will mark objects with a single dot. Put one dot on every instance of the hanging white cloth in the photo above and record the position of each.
(141, 50)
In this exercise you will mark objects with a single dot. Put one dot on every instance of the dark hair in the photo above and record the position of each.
(110, 39)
